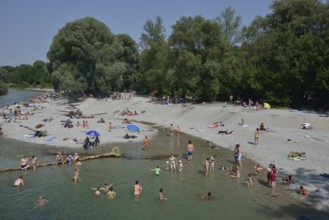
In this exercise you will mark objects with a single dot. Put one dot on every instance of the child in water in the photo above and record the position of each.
(157, 170)
(167, 165)
(180, 166)
(249, 180)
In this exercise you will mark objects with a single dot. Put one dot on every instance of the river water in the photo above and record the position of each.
(68, 200)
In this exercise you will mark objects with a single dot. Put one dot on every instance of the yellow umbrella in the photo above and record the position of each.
(267, 106)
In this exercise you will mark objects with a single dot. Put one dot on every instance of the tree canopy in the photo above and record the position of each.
(86, 57)
(281, 58)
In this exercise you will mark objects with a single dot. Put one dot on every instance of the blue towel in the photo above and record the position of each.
(50, 139)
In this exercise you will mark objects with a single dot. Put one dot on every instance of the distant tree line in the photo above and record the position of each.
(282, 58)
(25, 75)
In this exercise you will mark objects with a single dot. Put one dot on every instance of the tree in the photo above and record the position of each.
(4, 75)
(3, 88)
(129, 57)
(230, 25)
(152, 76)
(86, 57)
(285, 54)
(197, 49)
(41, 74)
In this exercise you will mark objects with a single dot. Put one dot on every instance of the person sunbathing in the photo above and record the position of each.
(127, 136)
(287, 178)
(297, 154)
(214, 125)
(262, 127)
(258, 168)
(101, 120)
(225, 132)
(125, 121)
(303, 191)
(306, 126)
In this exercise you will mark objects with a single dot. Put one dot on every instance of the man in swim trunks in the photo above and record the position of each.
(97, 192)
(19, 181)
(137, 188)
(40, 202)
(171, 130)
(206, 164)
(178, 131)
(111, 194)
(24, 163)
(212, 163)
(303, 191)
(207, 197)
(76, 175)
(173, 162)
(146, 143)
(161, 195)
(34, 162)
(190, 149)
(59, 158)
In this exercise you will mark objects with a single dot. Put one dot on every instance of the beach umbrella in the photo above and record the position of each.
(133, 127)
(93, 133)
(267, 106)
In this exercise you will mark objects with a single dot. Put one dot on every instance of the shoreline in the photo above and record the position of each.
(41, 89)
(195, 120)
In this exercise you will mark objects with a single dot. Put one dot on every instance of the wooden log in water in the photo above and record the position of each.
(114, 153)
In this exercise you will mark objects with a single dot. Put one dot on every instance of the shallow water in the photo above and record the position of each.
(68, 200)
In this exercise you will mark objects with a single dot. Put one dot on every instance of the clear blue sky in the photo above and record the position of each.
(28, 26)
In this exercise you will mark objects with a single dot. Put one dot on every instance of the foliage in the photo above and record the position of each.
(86, 57)
(287, 53)
(152, 76)
(3, 88)
(26, 75)
(281, 58)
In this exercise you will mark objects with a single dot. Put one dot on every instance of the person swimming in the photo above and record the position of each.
(137, 188)
(19, 181)
(157, 170)
(40, 202)
(207, 197)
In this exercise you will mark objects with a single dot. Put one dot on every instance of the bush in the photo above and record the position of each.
(3, 88)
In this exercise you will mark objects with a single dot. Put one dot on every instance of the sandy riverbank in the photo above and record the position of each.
(195, 120)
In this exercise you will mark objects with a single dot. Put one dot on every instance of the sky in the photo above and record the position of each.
(27, 27)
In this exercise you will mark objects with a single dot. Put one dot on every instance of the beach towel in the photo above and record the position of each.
(29, 135)
(50, 139)
(296, 158)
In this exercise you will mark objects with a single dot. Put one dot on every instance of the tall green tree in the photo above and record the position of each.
(86, 57)
(129, 57)
(285, 51)
(230, 25)
(197, 50)
(3, 88)
(41, 74)
(152, 76)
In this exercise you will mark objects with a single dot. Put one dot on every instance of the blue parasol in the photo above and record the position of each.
(133, 127)
(93, 133)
